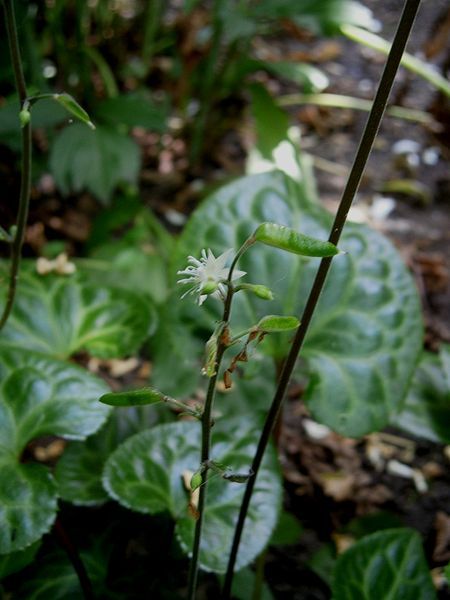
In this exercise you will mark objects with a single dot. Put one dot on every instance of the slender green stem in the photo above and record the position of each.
(413, 64)
(362, 155)
(350, 102)
(206, 421)
(25, 182)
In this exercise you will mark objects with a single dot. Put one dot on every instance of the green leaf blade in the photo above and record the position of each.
(28, 504)
(146, 474)
(366, 334)
(97, 161)
(59, 316)
(290, 240)
(277, 324)
(386, 564)
(139, 397)
(72, 106)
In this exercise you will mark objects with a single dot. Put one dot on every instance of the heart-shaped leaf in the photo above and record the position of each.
(386, 564)
(426, 411)
(60, 315)
(146, 474)
(93, 160)
(42, 397)
(366, 333)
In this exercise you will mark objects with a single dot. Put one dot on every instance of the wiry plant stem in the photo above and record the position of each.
(362, 155)
(206, 427)
(25, 182)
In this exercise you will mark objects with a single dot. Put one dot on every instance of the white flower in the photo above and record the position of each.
(208, 272)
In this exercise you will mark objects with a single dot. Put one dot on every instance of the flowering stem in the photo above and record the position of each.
(362, 155)
(25, 182)
(207, 424)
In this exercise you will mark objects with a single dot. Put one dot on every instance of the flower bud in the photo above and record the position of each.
(277, 324)
(290, 240)
(24, 117)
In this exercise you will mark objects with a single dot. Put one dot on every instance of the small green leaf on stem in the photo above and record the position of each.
(290, 240)
(261, 291)
(72, 106)
(277, 324)
(133, 397)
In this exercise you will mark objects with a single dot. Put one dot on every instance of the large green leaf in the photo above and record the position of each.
(40, 397)
(97, 161)
(27, 504)
(145, 474)
(135, 110)
(60, 315)
(389, 564)
(16, 561)
(427, 409)
(45, 397)
(79, 471)
(366, 334)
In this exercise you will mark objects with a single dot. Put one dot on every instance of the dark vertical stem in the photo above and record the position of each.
(362, 155)
(206, 430)
(72, 553)
(25, 182)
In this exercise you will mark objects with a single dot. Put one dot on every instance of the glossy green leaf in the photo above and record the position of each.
(16, 561)
(290, 240)
(72, 106)
(426, 412)
(27, 503)
(366, 334)
(41, 397)
(277, 324)
(97, 161)
(45, 397)
(61, 315)
(145, 474)
(133, 397)
(136, 109)
(78, 473)
(388, 564)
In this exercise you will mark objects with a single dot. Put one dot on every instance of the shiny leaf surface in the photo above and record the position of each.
(426, 412)
(388, 564)
(145, 474)
(61, 315)
(366, 334)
